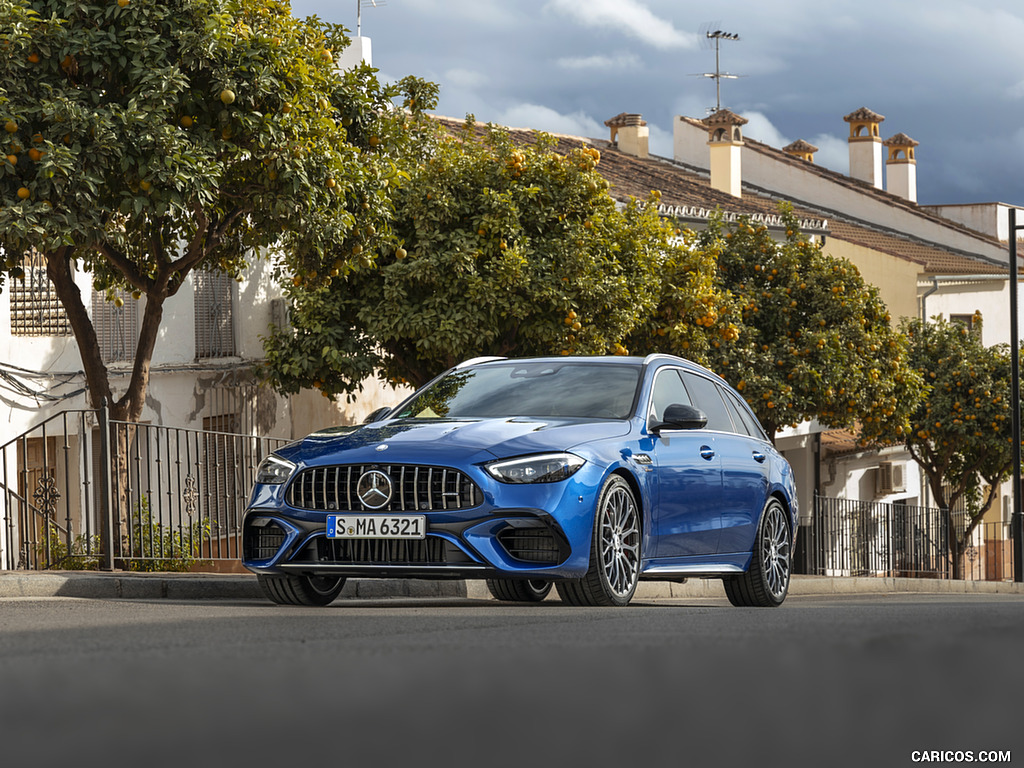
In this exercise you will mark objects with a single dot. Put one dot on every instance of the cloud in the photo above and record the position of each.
(597, 63)
(629, 16)
(761, 129)
(465, 78)
(546, 119)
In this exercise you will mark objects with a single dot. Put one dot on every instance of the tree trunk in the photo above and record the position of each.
(128, 408)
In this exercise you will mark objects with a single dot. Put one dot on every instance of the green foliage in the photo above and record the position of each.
(146, 141)
(805, 337)
(80, 554)
(156, 547)
(960, 432)
(501, 248)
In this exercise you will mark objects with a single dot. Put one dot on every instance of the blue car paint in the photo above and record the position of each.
(674, 544)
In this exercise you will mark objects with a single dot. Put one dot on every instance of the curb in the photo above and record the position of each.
(210, 586)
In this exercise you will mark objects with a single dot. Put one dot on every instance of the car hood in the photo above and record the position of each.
(447, 440)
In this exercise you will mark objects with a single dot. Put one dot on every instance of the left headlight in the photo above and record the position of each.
(544, 468)
(274, 470)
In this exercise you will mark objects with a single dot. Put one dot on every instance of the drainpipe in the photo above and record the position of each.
(924, 298)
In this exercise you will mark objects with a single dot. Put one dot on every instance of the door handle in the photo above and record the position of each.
(759, 457)
(706, 452)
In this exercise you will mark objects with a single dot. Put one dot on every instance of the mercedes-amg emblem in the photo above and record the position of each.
(374, 489)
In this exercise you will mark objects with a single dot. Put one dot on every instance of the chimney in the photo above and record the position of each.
(801, 149)
(629, 133)
(901, 167)
(865, 146)
(726, 144)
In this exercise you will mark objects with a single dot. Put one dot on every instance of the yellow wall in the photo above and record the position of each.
(896, 279)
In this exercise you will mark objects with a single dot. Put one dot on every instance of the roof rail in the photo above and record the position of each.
(475, 360)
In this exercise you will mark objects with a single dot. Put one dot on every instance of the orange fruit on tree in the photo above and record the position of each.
(11, 127)
(123, 3)
(186, 121)
(24, 193)
(227, 96)
(12, 159)
(33, 57)
(35, 155)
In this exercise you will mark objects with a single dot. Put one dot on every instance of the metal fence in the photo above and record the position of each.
(80, 491)
(860, 538)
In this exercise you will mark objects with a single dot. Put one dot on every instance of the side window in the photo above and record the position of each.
(741, 415)
(707, 397)
(668, 389)
(743, 426)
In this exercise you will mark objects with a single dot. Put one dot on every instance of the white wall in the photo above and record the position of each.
(805, 186)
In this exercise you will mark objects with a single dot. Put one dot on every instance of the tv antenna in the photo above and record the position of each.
(359, 12)
(714, 32)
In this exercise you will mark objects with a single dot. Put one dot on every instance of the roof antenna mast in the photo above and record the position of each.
(718, 75)
(359, 12)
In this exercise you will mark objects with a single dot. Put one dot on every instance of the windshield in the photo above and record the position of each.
(549, 389)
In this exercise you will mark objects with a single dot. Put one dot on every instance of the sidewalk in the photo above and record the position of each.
(210, 586)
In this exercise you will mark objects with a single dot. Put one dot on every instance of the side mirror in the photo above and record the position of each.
(376, 415)
(679, 416)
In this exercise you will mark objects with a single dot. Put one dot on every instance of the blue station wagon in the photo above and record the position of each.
(586, 474)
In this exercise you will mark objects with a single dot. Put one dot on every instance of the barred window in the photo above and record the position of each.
(35, 308)
(214, 319)
(117, 327)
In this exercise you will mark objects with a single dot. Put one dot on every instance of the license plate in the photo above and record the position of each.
(376, 526)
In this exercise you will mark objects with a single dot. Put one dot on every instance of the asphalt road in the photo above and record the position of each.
(856, 681)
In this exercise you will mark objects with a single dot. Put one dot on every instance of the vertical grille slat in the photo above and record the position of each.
(415, 488)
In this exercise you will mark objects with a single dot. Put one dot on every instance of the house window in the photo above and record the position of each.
(35, 308)
(116, 326)
(968, 321)
(214, 323)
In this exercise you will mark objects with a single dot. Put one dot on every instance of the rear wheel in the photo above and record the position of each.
(301, 590)
(519, 590)
(766, 582)
(614, 551)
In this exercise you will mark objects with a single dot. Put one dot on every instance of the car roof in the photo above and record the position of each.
(652, 359)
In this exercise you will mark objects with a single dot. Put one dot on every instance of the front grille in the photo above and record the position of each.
(415, 489)
(262, 542)
(429, 551)
(531, 545)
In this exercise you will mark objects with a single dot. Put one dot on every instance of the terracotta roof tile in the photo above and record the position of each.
(864, 115)
(686, 193)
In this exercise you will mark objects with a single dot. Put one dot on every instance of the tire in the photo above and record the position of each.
(614, 551)
(766, 582)
(519, 590)
(301, 590)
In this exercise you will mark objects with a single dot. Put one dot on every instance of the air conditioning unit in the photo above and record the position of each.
(890, 478)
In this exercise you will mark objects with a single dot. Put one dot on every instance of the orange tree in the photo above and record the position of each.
(960, 432)
(499, 248)
(803, 338)
(146, 140)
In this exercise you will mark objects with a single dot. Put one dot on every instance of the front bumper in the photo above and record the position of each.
(525, 531)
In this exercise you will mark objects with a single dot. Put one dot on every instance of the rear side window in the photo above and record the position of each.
(741, 416)
(707, 396)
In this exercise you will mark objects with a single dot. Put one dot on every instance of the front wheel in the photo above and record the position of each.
(614, 551)
(301, 590)
(519, 590)
(766, 582)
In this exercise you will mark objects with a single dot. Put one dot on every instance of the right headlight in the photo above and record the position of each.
(274, 470)
(545, 468)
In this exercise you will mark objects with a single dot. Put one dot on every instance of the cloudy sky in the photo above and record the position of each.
(949, 73)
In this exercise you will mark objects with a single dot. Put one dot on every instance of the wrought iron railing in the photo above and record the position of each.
(860, 538)
(82, 491)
